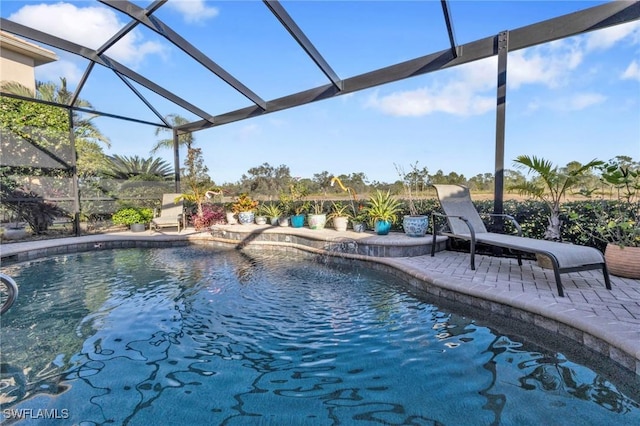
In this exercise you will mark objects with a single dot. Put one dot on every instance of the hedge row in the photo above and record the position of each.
(579, 218)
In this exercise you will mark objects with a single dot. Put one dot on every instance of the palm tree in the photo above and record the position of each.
(123, 167)
(185, 139)
(551, 187)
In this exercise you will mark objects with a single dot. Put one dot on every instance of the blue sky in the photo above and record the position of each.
(573, 99)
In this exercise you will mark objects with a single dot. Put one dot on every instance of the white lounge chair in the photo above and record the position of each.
(465, 223)
(171, 213)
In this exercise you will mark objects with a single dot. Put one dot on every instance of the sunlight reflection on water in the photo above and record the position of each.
(198, 336)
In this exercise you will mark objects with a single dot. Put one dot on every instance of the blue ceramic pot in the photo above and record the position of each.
(246, 218)
(382, 227)
(297, 220)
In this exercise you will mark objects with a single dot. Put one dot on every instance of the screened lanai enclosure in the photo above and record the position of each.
(48, 175)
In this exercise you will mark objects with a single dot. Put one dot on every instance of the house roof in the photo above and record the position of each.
(38, 54)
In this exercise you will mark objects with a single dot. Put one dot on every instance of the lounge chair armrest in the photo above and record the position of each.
(511, 218)
(462, 218)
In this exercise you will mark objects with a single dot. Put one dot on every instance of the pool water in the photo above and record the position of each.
(195, 335)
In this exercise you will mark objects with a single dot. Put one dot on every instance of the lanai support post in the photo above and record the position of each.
(176, 161)
(498, 195)
(74, 178)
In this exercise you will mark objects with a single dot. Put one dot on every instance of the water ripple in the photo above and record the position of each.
(270, 340)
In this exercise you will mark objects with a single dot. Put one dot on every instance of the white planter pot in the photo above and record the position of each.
(340, 223)
(317, 221)
(231, 218)
(14, 233)
(137, 227)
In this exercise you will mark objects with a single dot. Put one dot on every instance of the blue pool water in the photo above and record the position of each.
(194, 335)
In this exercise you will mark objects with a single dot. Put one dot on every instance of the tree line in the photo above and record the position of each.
(46, 128)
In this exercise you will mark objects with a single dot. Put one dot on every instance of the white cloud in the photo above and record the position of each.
(575, 102)
(581, 101)
(452, 99)
(606, 38)
(248, 132)
(62, 67)
(632, 72)
(193, 11)
(549, 65)
(87, 26)
(471, 88)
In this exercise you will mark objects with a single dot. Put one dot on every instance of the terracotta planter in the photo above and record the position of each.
(623, 261)
(544, 261)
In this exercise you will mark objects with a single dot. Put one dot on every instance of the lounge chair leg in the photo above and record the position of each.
(519, 259)
(473, 256)
(558, 282)
(433, 243)
(605, 272)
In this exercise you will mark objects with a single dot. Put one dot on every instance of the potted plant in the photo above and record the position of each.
(14, 230)
(298, 205)
(230, 214)
(136, 218)
(245, 207)
(621, 228)
(317, 218)
(272, 211)
(383, 208)
(358, 215)
(414, 224)
(339, 215)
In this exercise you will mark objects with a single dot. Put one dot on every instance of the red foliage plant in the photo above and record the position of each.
(211, 215)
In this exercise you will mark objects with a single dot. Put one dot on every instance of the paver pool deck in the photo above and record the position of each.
(607, 321)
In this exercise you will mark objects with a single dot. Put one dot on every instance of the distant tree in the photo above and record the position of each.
(322, 182)
(481, 182)
(452, 178)
(266, 179)
(184, 140)
(513, 178)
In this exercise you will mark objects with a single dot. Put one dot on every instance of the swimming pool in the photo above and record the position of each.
(195, 335)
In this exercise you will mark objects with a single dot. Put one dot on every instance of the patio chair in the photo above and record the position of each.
(171, 213)
(466, 224)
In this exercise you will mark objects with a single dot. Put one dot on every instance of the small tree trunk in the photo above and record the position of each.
(553, 231)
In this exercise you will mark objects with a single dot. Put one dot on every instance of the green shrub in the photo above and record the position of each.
(130, 215)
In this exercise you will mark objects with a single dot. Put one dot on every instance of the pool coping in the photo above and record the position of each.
(618, 340)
